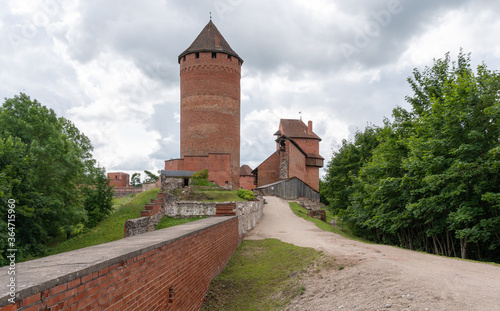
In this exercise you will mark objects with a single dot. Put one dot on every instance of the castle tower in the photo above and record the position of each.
(210, 73)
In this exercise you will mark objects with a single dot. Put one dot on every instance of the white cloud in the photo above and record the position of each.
(473, 31)
(111, 66)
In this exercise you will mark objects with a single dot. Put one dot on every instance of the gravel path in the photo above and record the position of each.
(379, 277)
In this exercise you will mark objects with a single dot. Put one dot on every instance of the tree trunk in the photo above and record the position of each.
(463, 247)
(436, 249)
(449, 244)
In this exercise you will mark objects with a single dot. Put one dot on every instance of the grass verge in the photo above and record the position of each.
(111, 228)
(167, 221)
(262, 275)
(206, 194)
(325, 226)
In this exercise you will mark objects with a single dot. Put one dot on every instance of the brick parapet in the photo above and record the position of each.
(249, 214)
(142, 272)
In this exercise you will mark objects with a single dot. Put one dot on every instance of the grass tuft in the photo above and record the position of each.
(262, 275)
(206, 194)
(111, 228)
(167, 221)
(325, 226)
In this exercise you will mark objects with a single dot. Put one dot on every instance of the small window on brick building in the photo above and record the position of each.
(214, 55)
(171, 294)
(184, 59)
(229, 57)
(227, 182)
(197, 55)
(282, 145)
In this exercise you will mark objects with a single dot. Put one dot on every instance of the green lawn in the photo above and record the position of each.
(207, 195)
(325, 226)
(167, 221)
(111, 228)
(262, 275)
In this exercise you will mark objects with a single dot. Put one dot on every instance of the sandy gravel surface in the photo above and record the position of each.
(378, 277)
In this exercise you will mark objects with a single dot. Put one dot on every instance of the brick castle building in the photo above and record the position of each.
(296, 156)
(119, 179)
(210, 109)
(210, 74)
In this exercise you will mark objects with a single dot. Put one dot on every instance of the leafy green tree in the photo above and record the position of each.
(151, 178)
(135, 180)
(98, 197)
(344, 165)
(452, 151)
(432, 180)
(44, 159)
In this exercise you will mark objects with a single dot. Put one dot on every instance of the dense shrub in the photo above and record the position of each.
(246, 194)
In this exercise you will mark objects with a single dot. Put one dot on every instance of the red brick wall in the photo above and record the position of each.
(220, 169)
(269, 170)
(308, 145)
(123, 191)
(247, 182)
(210, 108)
(118, 179)
(296, 162)
(312, 177)
(168, 274)
(219, 166)
(175, 165)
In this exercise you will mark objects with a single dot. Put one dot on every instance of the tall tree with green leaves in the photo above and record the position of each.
(452, 155)
(150, 177)
(135, 180)
(44, 159)
(344, 165)
(432, 182)
(98, 197)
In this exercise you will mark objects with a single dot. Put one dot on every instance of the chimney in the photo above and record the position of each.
(310, 127)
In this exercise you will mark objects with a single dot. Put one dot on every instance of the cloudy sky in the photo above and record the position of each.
(111, 66)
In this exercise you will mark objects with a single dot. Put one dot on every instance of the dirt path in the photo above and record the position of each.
(378, 277)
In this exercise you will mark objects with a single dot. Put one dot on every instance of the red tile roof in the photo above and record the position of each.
(245, 170)
(295, 129)
(210, 40)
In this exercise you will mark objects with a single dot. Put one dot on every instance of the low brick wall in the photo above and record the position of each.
(169, 269)
(249, 212)
(124, 191)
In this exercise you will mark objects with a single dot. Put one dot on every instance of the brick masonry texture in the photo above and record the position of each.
(219, 166)
(210, 108)
(269, 170)
(169, 269)
(247, 182)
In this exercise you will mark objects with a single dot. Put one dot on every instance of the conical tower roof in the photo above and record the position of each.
(210, 40)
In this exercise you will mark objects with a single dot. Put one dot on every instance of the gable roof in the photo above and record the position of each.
(245, 170)
(308, 155)
(295, 129)
(210, 40)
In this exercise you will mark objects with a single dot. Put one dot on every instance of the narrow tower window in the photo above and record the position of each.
(229, 57)
(197, 55)
(214, 55)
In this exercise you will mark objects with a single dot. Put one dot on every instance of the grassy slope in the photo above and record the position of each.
(167, 222)
(262, 275)
(130, 207)
(207, 195)
(112, 228)
(325, 226)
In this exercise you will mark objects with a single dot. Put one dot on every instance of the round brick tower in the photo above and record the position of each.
(210, 73)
